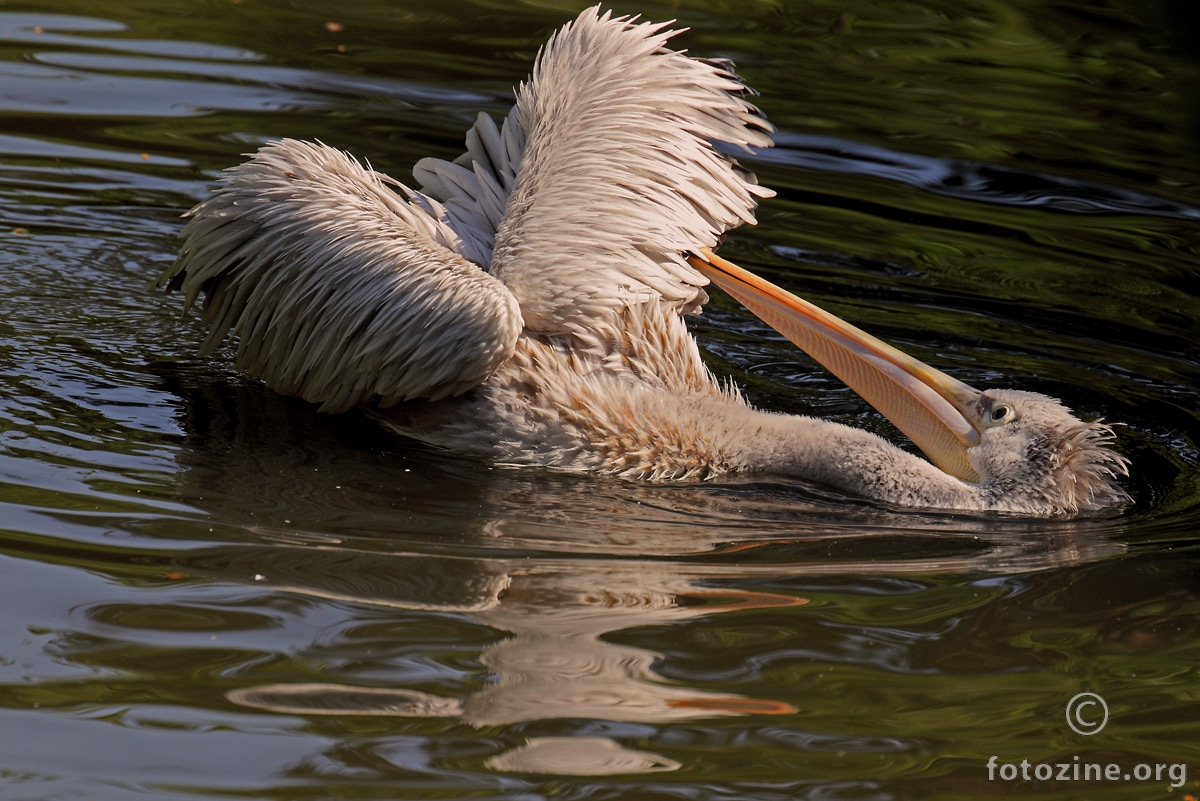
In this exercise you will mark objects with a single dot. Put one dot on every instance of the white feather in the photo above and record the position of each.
(339, 291)
(544, 271)
(617, 175)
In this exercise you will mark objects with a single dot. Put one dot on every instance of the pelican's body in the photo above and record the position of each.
(525, 305)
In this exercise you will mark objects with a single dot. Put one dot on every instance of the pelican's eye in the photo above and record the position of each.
(1001, 414)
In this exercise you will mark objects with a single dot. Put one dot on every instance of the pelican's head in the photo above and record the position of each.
(1022, 451)
(1035, 456)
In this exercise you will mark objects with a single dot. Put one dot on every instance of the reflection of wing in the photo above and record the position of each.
(603, 175)
(341, 293)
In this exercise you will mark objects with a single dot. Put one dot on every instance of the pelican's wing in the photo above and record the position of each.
(340, 292)
(475, 187)
(603, 175)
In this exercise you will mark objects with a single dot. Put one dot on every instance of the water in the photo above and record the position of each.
(211, 591)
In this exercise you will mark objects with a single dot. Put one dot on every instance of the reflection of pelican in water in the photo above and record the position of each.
(589, 590)
(557, 663)
(525, 304)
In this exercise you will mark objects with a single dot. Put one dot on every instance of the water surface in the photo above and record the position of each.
(210, 591)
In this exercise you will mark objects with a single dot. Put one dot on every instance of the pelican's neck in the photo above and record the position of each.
(846, 458)
(657, 413)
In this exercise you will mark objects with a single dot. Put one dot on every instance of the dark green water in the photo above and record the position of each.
(209, 591)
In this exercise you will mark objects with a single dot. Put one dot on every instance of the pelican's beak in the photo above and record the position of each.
(937, 412)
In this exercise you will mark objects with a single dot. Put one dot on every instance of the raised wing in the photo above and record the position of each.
(603, 175)
(474, 188)
(340, 292)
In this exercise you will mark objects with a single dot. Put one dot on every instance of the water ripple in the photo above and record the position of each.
(968, 180)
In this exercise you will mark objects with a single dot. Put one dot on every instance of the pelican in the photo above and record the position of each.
(527, 303)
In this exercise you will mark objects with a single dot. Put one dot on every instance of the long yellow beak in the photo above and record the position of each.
(937, 412)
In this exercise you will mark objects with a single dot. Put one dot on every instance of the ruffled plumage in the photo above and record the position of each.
(525, 303)
(607, 174)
